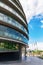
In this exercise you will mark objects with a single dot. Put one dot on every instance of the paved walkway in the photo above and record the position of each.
(29, 61)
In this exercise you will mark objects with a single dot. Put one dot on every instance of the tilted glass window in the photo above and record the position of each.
(11, 10)
(12, 34)
(9, 20)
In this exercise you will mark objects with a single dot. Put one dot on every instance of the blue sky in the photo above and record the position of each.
(35, 27)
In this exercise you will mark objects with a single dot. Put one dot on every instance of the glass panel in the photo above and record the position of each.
(11, 10)
(11, 33)
(9, 20)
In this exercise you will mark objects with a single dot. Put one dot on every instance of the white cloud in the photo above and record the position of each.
(32, 7)
(41, 26)
(41, 21)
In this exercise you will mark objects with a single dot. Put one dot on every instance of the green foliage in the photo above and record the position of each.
(37, 51)
(8, 45)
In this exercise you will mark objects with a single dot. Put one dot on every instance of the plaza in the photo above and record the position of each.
(30, 61)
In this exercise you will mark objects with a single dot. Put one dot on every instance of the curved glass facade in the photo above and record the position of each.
(9, 20)
(8, 32)
(11, 33)
(10, 26)
(12, 11)
(17, 6)
(13, 30)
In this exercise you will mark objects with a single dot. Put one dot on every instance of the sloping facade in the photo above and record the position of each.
(13, 29)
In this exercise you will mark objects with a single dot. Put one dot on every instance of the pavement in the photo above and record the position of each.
(29, 61)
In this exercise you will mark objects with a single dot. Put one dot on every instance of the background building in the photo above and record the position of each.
(13, 30)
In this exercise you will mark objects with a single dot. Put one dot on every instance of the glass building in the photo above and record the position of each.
(13, 30)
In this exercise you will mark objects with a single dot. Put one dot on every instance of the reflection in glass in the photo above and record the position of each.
(12, 34)
(9, 20)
